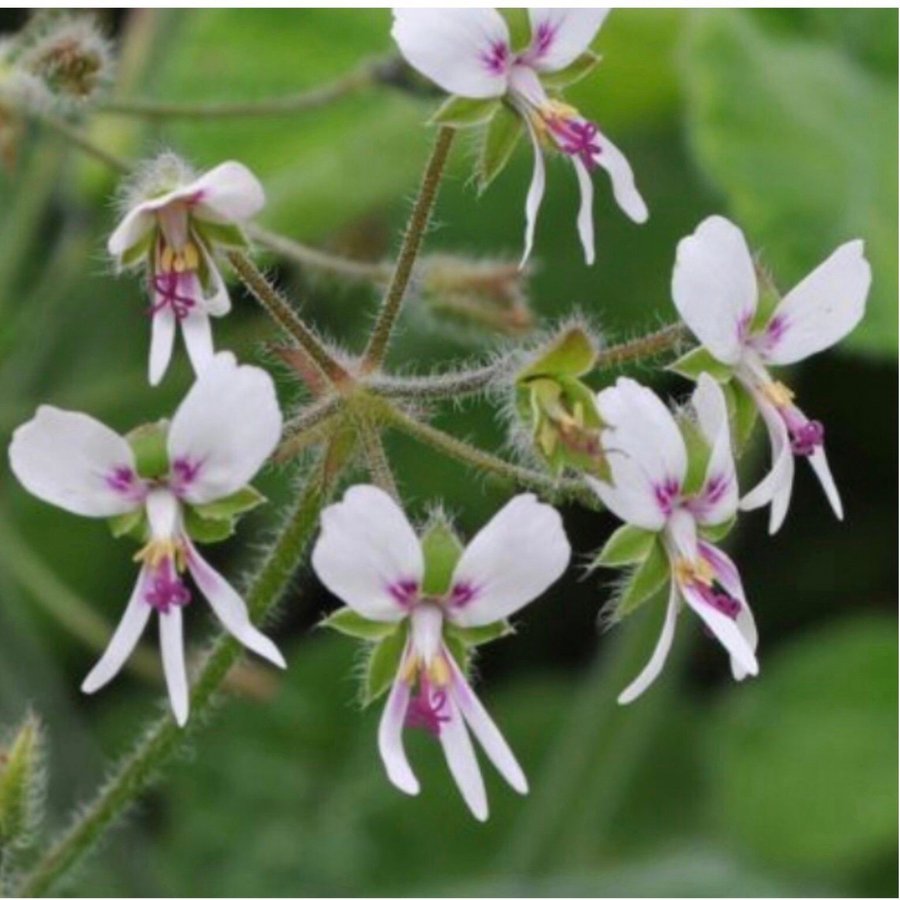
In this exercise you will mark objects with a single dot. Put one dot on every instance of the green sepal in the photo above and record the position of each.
(465, 112)
(233, 505)
(131, 524)
(207, 531)
(699, 360)
(497, 145)
(441, 550)
(571, 353)
(139, 252)
(519, 24)
(716, 533)
(743, 412)
(148, 443)
(352, 624)
(644, 582)
(572, 73)
(482, 634)
(460, 651)
(221, 233)
(22, 782)
(698, 455)
(382, 665)
(627, 546)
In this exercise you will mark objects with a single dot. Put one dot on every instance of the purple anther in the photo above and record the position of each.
(167, 287)
(576, 137)
(806, 437)
(166, 589)
(426, 710)
(719, 599)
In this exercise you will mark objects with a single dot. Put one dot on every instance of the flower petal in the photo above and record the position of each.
(390, 738)
(197, 333)
(128, 632)
(461, 760)
(625, 191)
(368, 554)
(714, 287)
(162, 341)
(535, 194)
(824, 308)
(819, 463)
(230, 608)
(219, 302)
(585, 210)
(657, 660)
(464, 51)
(134, 225)
(75, 462)
(224, 430)
(560, 36)
(485, 729)
(171, 645)
(509, 563)
(228, 193)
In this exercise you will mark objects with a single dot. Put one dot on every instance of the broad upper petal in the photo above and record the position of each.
(228, 193)
(560, 36)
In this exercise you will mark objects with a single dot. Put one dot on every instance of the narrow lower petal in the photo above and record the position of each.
(485, 729)
(625, 191)
(219, 302)
(128, 632)
(660, 654)
(462, 762)
(197, 333)
(162, 341)
(819, 463)
(230, 608)
(535, 195)
(390, 737)
(171, 644)
(585, 210)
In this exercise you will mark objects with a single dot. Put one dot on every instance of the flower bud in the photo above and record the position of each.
(22, 779)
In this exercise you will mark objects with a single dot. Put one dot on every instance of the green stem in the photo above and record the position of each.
(451, 385)
(161, 741)
(277, 306)
(645, 347)
(80, 140)
(376, 458)
(409, 250)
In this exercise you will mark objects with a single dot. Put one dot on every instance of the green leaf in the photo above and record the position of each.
(497, 145)
(572, 73)
(351, 623)
(22, 777)
(644, 582)
(818, 132)
(441, 549)
(743, 411)
(235, 504)
(207, 531)
(221, 233)
(464, 112)
(627, 545)
(699, 360)
(570, 353)
(483, 634)
(382, 665)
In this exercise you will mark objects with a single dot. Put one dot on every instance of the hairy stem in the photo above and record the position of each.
(645, 347)
(409, 250)
(158, 744)
(376, 459)
(436, 387)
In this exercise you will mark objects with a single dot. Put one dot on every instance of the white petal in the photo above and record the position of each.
(162, 340)
(230, 608)
(819, 463)
(224, 430)
(426, 628)
(163, 514)
(626, 193)
(75, 462)
(228, 193)
(560, 36)
(462, 762)
(172, 646)
(366, 549)
(509, 563)
(535, 195)
(128, 632)
(824, 308)
(585, 210)
(651, 671)
(485, 729)
(714, 287)
(219, 302)
(134, 225)
(390, 738)
(455, 48)
(197, 333)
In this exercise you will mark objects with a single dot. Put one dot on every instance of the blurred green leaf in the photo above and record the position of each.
(795, 135)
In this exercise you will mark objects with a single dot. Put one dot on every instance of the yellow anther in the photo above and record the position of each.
(191, 256)
(160, 549)
(167, 258)
(779, 393)
(439, 672)
(556, 109)
(693, 571)
(410, 669)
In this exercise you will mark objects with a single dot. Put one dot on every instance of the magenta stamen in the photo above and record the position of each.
(807, 437)
(576, 137)
(426, 709)
(166, 286)
(166, 589)
(404, 592)
(719, 599)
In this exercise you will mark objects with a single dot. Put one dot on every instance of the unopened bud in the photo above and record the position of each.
(22, 776)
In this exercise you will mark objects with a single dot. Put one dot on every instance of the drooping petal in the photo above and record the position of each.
(585, 210)
(162, 341)
(390, 737)
(509, 563)
(718, 498)
(824, 308)
(128, 632)
(819, 462)
(228, 193)
(368, 555)
(485, 729)
(218, 303)
(657, 660)
(535, 194)
(461, 760)
(224, 430)
(621, 177)
(464, 51)
(230, 608)
(714, 287)
(560, 36)
(197, 333)
(75, 462)
(171, 644)
(134, 226)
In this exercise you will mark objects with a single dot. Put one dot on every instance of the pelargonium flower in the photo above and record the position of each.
(222, 433)
(714, 286)
(468, 52)
(174, 224)
(653, 491)
(370, 557)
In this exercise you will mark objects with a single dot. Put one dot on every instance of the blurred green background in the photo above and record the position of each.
(785, 121)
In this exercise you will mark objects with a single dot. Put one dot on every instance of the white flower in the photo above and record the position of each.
(714, 286)
(174, 233)
(222, 433)
(369, 556)
(468, 52)
(649, 463)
